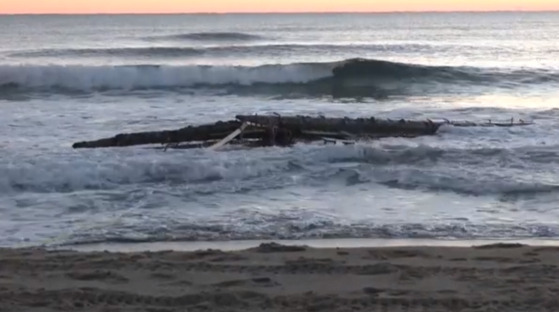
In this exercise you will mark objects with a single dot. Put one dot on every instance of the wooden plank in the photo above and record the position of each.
(187, 134)
(323, 134)
(229, 138)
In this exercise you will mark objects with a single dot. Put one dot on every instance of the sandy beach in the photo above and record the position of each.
(274, 277)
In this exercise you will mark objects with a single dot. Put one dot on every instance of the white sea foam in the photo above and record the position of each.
(405, 167)
(87, 78)
(469, 182)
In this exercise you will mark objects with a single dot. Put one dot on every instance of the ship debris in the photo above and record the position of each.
(276, 130)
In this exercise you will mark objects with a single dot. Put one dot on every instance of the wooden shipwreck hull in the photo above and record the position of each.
(359, 126)
(256, 130)
(188, 134)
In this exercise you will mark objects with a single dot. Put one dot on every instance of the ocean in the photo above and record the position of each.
(72, 78)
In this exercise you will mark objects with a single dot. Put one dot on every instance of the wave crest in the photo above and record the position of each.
(421, 167)
(356, 77)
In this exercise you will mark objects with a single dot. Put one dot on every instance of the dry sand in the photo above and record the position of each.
(273, 277)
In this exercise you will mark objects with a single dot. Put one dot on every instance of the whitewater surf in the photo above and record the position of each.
(65, 79)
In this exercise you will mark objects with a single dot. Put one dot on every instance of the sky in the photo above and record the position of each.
(225, 6)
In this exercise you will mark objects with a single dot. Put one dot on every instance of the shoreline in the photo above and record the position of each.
(504, 276)
(239, 245)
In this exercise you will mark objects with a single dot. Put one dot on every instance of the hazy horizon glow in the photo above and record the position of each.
(259, 6)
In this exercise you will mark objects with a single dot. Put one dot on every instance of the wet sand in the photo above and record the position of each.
(272, 277)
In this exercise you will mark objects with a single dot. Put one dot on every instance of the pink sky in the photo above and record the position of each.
(220, 6)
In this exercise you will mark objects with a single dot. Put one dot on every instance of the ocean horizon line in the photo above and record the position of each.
(286, 13)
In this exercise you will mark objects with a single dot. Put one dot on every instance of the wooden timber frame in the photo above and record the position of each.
(276, 130)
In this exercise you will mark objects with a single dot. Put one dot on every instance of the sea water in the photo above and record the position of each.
(72, 78)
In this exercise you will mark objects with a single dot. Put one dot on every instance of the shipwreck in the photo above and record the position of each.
(276, 130)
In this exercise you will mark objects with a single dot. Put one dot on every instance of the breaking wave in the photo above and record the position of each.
(421, 167)
(348, 77)
(111, 181)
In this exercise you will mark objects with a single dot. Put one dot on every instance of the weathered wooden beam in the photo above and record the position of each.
(490, 124)
(358, 126)
(321, 134)
(187, 134)
(230, 137)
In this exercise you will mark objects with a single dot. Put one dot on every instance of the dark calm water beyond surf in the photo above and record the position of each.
(71, 78)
